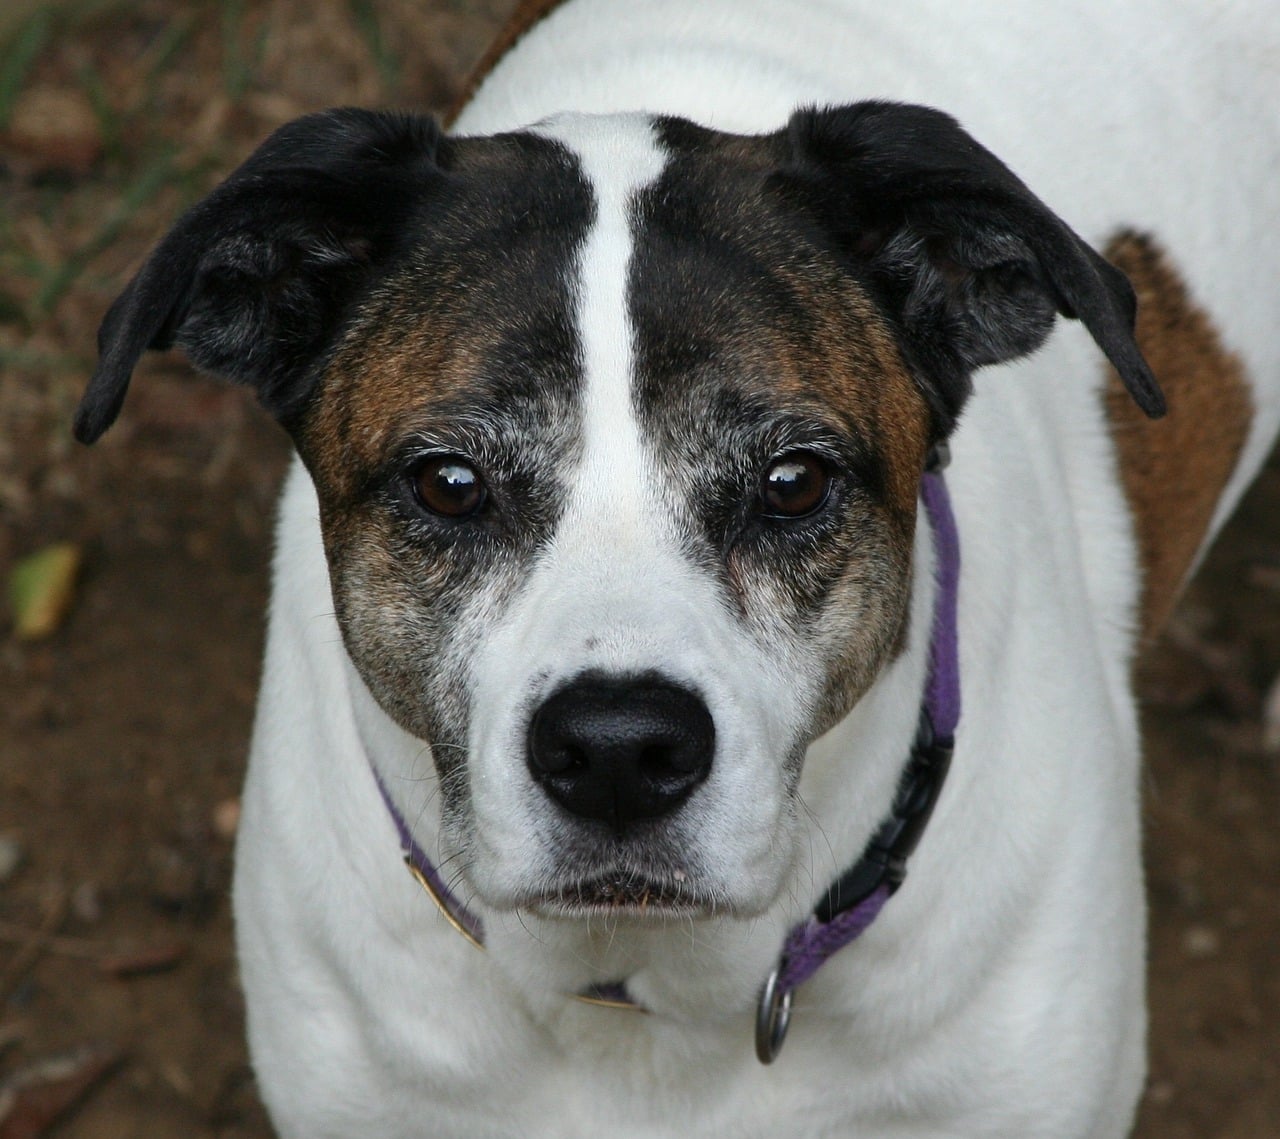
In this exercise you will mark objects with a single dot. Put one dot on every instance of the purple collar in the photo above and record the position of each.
(855, 899)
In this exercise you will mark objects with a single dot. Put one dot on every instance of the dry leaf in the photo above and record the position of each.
(41, 589)
(55, 128)
(143, 962)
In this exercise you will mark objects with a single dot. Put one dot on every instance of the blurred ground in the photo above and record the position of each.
(122, 736)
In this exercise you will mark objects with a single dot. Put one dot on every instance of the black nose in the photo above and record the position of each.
(619, 750)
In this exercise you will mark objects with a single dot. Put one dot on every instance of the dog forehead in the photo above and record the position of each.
(647, 262)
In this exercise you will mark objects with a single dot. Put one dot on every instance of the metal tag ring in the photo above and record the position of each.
(773, 1018)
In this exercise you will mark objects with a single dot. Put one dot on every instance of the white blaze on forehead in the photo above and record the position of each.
(619, 156)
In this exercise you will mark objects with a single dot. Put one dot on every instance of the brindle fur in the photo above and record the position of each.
(1174, 472)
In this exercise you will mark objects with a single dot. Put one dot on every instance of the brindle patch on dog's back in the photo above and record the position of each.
(1174, 469)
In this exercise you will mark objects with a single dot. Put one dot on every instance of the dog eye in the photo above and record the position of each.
(795, 486)
(449, 486)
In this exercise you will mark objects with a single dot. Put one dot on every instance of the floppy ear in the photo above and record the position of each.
(969, 264)
(253, 281)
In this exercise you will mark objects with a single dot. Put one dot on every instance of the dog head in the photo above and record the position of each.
(617, 426)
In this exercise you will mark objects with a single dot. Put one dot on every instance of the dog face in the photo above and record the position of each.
(617, 426)
(618, 374)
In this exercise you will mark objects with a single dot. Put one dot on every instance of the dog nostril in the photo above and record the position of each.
(618, 750)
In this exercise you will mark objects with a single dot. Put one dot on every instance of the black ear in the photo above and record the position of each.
(961, 255)
(252, 282)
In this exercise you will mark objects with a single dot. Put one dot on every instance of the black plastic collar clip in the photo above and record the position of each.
(884, 862)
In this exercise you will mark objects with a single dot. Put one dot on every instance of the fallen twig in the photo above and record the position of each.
(141, 962)
(36, 1096)
(59, 945)
(131, 961)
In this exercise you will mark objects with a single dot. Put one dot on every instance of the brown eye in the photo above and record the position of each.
(449, 486)
(794, 486)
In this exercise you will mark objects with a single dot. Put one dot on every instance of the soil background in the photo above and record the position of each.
(122, 735)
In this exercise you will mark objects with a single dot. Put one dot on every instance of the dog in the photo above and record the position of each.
(626, 600)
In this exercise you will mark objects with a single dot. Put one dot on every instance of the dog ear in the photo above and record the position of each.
(253, 281)
(962, 256)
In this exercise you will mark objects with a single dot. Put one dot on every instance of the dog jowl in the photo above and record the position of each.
(617, 426)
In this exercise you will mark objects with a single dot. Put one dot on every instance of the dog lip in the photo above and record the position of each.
(620, 896)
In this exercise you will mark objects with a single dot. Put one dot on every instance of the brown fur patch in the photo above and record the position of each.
(404, 358)
(526, 15)
(1175, 468)
(856, 368)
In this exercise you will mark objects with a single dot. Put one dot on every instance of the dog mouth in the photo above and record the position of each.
(622, 896)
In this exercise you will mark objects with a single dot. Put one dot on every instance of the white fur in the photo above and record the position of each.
(1001, 991)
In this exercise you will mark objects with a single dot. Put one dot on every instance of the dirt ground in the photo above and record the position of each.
(122, 735)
